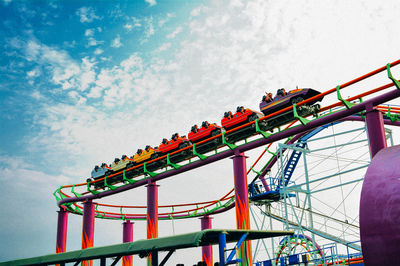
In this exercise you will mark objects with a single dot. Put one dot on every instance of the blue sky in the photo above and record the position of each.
(50, 47)
(83, 82)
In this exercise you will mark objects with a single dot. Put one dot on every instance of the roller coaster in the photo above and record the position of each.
(278, 191)
(202, 139)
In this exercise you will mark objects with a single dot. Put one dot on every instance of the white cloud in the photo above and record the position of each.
(64, 71)
(53, 5)
(93, 42)
(128, 26)
(87, 14)
(196, 11)
(63, 68)
(17, 171)
(37, 95)
(33, 73)
(162, 21)
(32, 50)
(136, 22)
(77, 97)
(151, 2)
(164, 47)
(95, 92)
(175, 32)
(98, 51)
(89, 32)
(116, 43)
(88, 74)
(149, 29)
(71, 44)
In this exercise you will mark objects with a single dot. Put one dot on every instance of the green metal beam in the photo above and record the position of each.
(145, 246)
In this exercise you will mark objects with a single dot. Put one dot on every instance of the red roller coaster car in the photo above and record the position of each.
(242, 116)
(174, 144)
(207, 130)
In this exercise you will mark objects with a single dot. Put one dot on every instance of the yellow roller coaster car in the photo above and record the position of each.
(119, 164)
(146, 154)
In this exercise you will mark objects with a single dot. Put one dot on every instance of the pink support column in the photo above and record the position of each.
(88, 228)
(62, 230)
(152, 218)
(376, 131)
(127, 237)
(207, 254)
(242, 203)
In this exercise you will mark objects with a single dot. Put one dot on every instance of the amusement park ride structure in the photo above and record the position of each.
(284, 197)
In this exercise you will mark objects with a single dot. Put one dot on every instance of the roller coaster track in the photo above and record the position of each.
(221, 205)
(266, 138)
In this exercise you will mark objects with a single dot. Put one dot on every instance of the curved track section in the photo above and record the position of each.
(198, 209)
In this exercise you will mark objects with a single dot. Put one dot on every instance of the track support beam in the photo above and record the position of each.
(88, 228)
(127, 236)
(207, 252)
(376, 131)
(242, 203)
(152, 218)
(62, 230)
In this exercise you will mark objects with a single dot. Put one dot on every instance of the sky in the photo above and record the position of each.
(83, 82)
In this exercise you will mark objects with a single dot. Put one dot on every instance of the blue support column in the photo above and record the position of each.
(222, 246)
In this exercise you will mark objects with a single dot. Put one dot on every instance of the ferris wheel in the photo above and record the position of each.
(314, 190)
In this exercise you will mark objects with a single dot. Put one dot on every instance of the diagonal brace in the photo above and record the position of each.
(340, 98)
(395, 81)
(174, 165)
(302, 120)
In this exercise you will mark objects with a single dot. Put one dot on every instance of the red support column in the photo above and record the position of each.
(242, 203)
(376, 131)
(62, 230)
(127, 237)
(88, 228)
(152, 218)
(207, 254)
